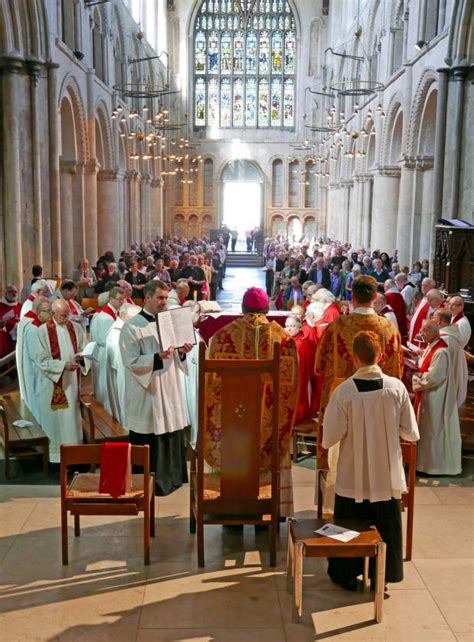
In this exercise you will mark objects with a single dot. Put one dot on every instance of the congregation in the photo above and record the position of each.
(333, 296)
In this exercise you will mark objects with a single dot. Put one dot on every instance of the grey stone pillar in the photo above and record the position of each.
(440, 142)
(12, 249)
(108, 208)
(54, 186)
(367, 212)
(427, 223)
(90, 209)
(459, 76)
(405, 211)
(384, 208)
(35, 69)
(68, 258)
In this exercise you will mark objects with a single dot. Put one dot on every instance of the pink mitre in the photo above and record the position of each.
(255, 299)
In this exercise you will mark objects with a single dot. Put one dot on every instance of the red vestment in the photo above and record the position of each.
(397, 303)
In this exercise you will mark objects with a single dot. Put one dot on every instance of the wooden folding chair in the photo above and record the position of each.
(240, 492)
(81, 496)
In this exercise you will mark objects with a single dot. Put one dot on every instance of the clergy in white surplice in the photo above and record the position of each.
(115, 371)
(439, 449)
(39, 288)
(367, 415)
(101, 323)
(155, 407)
(450, 334)
(57, 357)
(24, 365)
(456, 306)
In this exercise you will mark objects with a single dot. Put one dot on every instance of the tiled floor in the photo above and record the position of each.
(107, 594)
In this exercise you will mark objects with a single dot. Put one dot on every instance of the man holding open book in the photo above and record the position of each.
(153, 347)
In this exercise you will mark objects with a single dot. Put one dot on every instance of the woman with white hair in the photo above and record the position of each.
(331, 307)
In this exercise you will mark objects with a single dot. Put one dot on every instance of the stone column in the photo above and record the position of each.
(12, 249)
(108, 208)
(90, 208)
(385, 206)
(54, 151)
(440, 142)
(427, 223)
(35, 69)
(367, 206)
(459, 76)
(155, 208)
(69, 259)
(347, 195)
(405, 211)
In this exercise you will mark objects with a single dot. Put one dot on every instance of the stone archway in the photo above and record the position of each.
(242, 196)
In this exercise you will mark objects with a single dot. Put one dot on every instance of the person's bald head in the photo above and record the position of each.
(380, 302)
(389, 284)
(435, 298)
(456, 305)
(427, 284)
(60, 311)
(442, 317)
(401, 280)
(430, 331)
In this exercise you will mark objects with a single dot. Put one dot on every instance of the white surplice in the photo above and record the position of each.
(191, 391)
(63, 426)
(154, 400)
(115, 373)
(464, 330)
(100, 326)
(369, 426)
(22, 361)
(439, 449)
(26, 307)
(31, 372)
(451, 335)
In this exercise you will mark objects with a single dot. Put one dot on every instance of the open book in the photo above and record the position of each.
(90, 351)
(175, 327)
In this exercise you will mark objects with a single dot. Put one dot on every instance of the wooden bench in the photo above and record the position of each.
(98, 425)
(21, 443)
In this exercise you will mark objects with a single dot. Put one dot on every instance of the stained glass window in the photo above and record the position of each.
(244, 64)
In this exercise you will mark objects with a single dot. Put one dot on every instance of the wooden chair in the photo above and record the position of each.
(21, 443)
(98, 425)
(240, 493)
(407, 499)
(307, 428)
(82, 497)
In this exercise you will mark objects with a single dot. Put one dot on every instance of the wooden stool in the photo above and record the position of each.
(304, 542)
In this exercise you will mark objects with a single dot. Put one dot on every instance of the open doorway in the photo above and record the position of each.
(242, 199)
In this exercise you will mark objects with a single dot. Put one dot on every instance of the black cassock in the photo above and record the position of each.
(167, 451)
(385, 516)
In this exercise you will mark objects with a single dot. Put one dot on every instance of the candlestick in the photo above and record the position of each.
(195, 296)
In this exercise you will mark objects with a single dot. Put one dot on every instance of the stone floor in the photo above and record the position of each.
(236, 282)
(107, 594)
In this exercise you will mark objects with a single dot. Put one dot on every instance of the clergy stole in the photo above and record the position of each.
(425, 366)
(457, 318)
(421, 313)
(59, 399)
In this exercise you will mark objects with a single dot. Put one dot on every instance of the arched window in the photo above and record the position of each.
(397, 32)
(208, 187)
(244, 64)
(68, 30)
(294, 184)
(98, 46)
(277, 183)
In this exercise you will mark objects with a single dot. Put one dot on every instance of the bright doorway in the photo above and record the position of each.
(242, 198)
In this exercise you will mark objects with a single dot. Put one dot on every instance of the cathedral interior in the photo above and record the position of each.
(123, 121)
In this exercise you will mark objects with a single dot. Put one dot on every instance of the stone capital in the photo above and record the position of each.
(408, 162)
(91, 166)
(11, 63)
(390, 171)
(363, 178)
(110, 175)
(424, 163)
(68, 167)
(157, 182)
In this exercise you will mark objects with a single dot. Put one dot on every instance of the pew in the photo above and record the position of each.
(98, 425)
(21, 443)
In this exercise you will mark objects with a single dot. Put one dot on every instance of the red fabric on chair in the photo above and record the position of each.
(115, 468)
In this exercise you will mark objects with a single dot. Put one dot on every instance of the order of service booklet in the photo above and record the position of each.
(175, 327)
